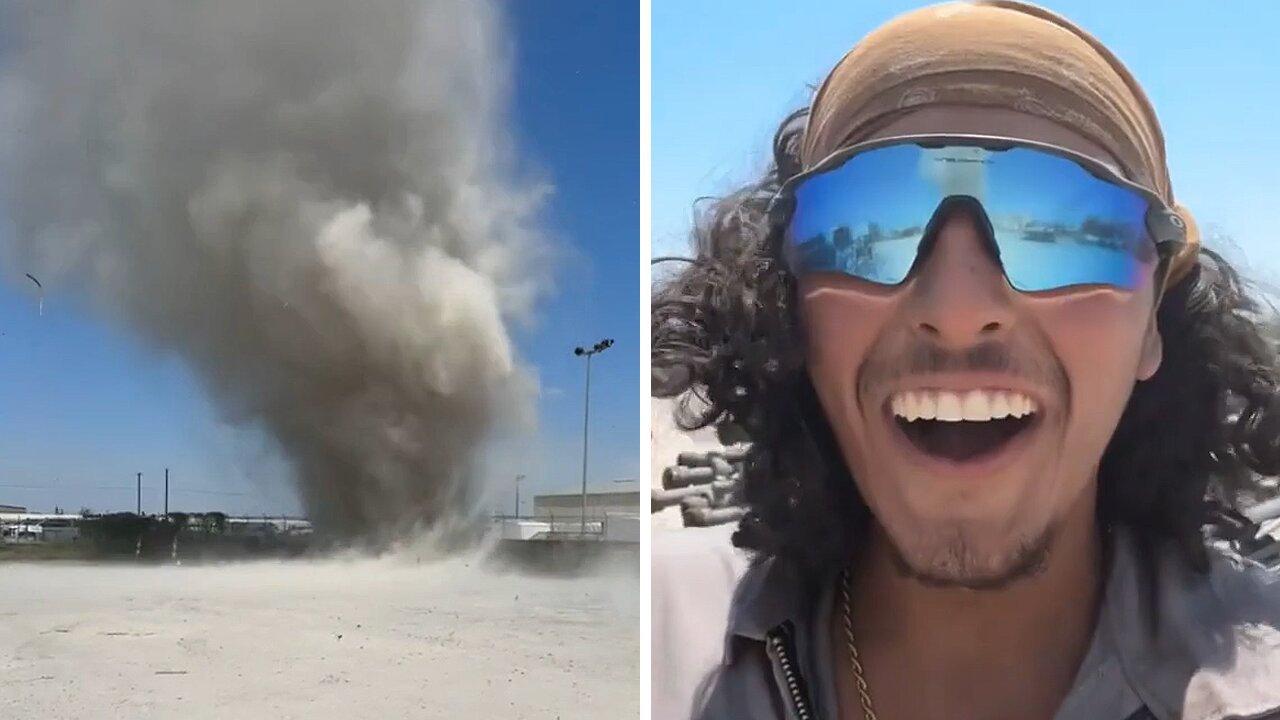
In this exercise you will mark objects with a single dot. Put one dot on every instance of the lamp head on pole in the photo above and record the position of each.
(597, 348)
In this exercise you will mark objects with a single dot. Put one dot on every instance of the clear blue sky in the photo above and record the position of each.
(724, 76)
(83, 407)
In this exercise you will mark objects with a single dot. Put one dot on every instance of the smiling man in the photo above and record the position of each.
(1003, 407)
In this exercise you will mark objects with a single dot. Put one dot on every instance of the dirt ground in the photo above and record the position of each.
(350, 639)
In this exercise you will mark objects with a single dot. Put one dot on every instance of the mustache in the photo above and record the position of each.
(926, 358)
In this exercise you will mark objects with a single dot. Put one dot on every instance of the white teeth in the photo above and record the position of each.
(950, 407)
(970, 406)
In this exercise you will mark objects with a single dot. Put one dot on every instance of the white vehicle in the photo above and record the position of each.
(59, 530)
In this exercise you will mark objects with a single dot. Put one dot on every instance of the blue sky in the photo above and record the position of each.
(84, 407)
(723, 79)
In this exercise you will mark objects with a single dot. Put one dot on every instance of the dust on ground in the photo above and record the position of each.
(355, 638)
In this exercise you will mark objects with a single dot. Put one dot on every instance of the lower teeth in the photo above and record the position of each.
(964, 440)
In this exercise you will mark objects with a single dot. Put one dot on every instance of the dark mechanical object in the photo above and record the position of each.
(705, 487)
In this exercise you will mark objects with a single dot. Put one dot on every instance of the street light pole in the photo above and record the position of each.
(586, 418)
(518, 479)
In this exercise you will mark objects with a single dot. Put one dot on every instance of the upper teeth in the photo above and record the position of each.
(971, 406)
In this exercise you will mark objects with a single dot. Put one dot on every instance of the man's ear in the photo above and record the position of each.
(1152, 352)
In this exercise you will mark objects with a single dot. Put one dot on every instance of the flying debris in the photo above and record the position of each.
(33, 279)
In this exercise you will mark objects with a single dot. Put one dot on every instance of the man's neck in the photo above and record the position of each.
(944, 652)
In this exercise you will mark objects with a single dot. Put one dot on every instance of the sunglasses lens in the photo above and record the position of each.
(1054, 224)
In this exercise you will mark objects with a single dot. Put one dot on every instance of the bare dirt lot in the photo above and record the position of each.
(351, 639)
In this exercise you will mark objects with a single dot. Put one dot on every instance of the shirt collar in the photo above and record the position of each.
(1215, 649)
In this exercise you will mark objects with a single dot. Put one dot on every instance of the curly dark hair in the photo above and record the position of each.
(1193, 447)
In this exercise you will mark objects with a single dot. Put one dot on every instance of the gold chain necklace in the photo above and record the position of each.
(859, 677)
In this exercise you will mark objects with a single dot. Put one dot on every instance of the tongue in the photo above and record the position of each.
(960, 441)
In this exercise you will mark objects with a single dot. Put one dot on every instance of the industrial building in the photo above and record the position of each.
(611, 514)
(17, 525)
(600, 504)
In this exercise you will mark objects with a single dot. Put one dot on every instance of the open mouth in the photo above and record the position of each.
(963, 426)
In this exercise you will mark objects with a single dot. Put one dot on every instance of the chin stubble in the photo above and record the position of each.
(954, 566)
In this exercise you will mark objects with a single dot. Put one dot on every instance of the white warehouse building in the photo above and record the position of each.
(612, 514)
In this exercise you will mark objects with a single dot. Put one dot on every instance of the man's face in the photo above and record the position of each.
(975, 503)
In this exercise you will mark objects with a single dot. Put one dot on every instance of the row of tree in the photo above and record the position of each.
(132, 534)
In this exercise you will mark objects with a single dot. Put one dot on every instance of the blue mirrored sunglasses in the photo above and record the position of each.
(1055, 219)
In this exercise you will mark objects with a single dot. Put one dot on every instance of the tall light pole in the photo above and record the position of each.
(518, 479)
(586, 417)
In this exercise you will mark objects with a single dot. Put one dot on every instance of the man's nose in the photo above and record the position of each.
(959, 296)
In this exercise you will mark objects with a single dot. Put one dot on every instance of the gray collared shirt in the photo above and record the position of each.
(736, 639)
